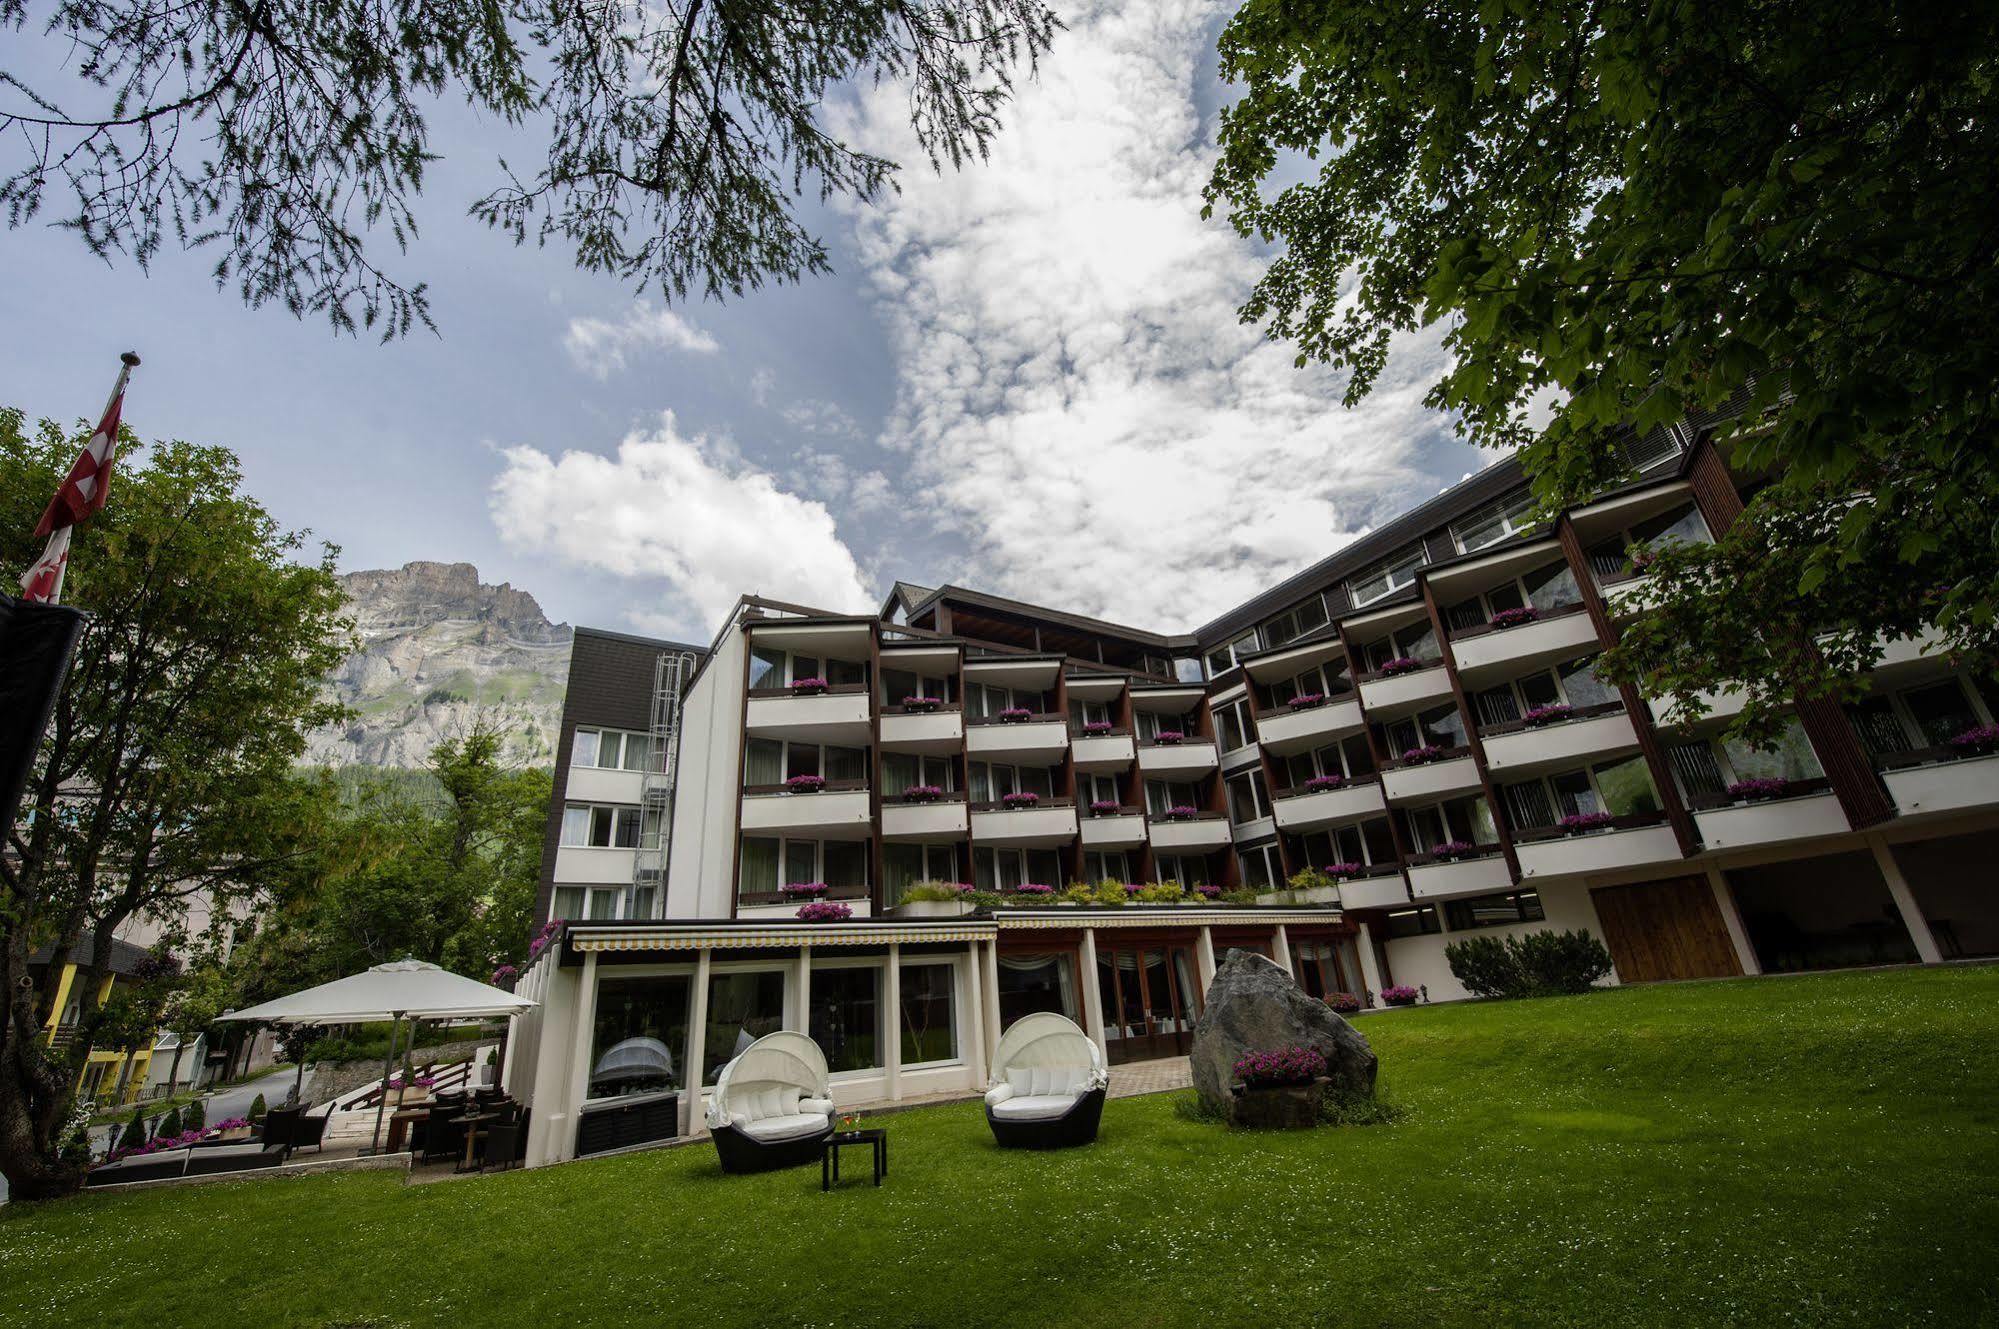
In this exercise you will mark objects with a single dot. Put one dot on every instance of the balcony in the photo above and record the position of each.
(1806, 811)
(1485, 653)
(1302, 728)
(1189, 757)
(840, 715)
(840, 811)
(1198, 834)
(1392, 694)
(1589, 734)
(1383, 888)
(936, 731)
(942, 819)
(1302, 809)
(1048, 823)
(1627, 842)
(1454, 772)
(589, 784)
(1433, 878)
(588, 865)
(778, 905)
(1113, 751)
(1122, 829)
(1943, 782)
(1722, 705)
(1624, 596)
(1039, 740)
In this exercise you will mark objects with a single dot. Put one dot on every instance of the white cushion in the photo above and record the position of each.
(1034, 1107)
(787, 1100)
(1044, 1081)
(1021, 1078)
(998, 1094)
(823, 1106)
(785, 1127)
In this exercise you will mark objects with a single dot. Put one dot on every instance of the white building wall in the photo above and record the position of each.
(1420, 962)
(709, 787)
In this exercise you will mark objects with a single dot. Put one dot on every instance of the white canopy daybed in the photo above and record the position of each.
(772, 1105)
(1048, 1081)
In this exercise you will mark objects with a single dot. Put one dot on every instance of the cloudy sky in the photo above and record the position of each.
(1027, 377)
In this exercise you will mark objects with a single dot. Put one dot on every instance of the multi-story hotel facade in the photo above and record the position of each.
(1415, 716)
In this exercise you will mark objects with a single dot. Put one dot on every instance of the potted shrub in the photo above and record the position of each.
(1345, 1003)
(921, 704)
(1417, 756)
(1553, 711)
(504, 977)
(1400, 995)
(1401, 664)
(824, 911)
(490, 1072)
(1305, 701)
(922, 793)
(805, 784)
(1166, 738)
(807, 687)
(804, 890)
(1753, 790)
(1016, 715)
(936, 899)
(1104, 807)
(1319, 784)
(1279, 1089)
(1097, 728)
(1982, 741)
(233, 1129)
(1578, 822)
(1034, 891)
(1451, 851)
(1180, 812)
(1020, 801)
(1513, 618)
(1313, 886)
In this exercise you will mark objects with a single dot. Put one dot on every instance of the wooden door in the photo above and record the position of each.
(1665, 929)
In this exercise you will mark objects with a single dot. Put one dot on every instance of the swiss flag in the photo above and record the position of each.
(83, 492)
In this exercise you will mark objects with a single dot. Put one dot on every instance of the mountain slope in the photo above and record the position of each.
(441, 650)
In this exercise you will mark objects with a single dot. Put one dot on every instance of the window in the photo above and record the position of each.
(1262, 866)
(1097, 789)
(1574, 683)
(1004, 869)
(1296, 622)
(600, 826)
(1440, 726)
(568, 902)
(609, 749)
(743, 1006)
(1343, 844)
(903, 865)
(1492, 911)
(1416, 922)
(1621, 788)
(1187, 669)
(766, 864)
(1680, 524)
(900, 683)
(992, 782)
(1088, 712)
(1417, 641)
(1941, 711)
(768, 762)
(1150, 723)
(639, 1036)
(1274, 695)
(1386, 577)
(1163, 794)
(983, 699)
(1493, 523)
(1459, 819)
(1235, 726)
(1246, 798)
(1037, 981)
(929, 1023)
(846, 1015)
(901, 770)
(1107, 866)
(1224, 658)
(1790, 758)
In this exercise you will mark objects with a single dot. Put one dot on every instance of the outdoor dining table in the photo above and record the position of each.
(471, 1121)
(399, 1123)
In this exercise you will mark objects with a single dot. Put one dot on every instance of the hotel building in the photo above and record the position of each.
(1416, 715)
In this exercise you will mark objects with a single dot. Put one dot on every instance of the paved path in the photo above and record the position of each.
(1151, 1077)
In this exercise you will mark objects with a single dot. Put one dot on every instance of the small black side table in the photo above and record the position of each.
(829, 1156)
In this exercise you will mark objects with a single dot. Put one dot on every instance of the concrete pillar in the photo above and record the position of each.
(989, 980)
(579, 1054)
(803, 998)
(1204, 959)
(975, 1010)
(1370, 967)
(1093, 998)
(697, 1051)
(892, 997)
(1280, 947)
(1905, 901)
(1731, 918)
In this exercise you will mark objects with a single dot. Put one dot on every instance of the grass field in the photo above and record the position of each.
(1820, 1150)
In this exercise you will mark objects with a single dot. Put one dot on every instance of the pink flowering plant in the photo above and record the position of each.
(922, 793)
(1320, 783)
(1096, 727)
(1034, 888)
(1207, 892)
(1346, 1003)
(1578, 822)
(804, 890)
(1450, 850)
(1103, 807)
(1181, 812)
(545, 938)
(808, 685)
(1016, 714)
(504, 976)
(824, 911)
(1286, 1066)
(1761, 787)
(1168, 737)
(1400, 994)
(1513, 618)
(1553, 711)
(1977, 742)
(1341, 871)
(921, 703)
(1401, 664)
(1305, 701)
(1416, 756)
(805, 784)
(1024, 799)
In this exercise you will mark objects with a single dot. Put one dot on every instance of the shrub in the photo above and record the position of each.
(1309, 879)
(1079, 892)
(195, 1116)
(938, 890)
(1109, 892)
(170, 1124)
(1161, 892)
(1538, 964)
(257, 1108)
(134, 1133)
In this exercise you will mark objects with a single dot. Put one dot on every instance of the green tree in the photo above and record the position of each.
(1631, 215)
(681, 136)
(188, 701)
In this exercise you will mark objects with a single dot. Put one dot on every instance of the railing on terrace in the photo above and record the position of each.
(830, 690)
(1792, 789)
(1629, 821)
(830, 787)
(1446, 754)
(1351, 782)
(1540, 616)
(1422, 662)
(843, 893)
(1575, 713)
(1475, 852)
(1039, 717)
(1038, 805)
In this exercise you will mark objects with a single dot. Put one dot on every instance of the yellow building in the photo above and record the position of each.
(105, 1076)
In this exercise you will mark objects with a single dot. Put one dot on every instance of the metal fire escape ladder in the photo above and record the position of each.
(671, 671)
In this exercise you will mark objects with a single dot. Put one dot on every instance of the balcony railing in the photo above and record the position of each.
(1376, 675)
(1474, 853)
(1540, 616)
(1792, 789)
(841, 893)
(830, 690)
(1039, 717)
(1039, 805)
(1574, 714)
(830, 787)
(1628, 822)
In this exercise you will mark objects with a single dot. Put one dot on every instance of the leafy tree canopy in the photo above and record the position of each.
(1630, 215)
(682, 135)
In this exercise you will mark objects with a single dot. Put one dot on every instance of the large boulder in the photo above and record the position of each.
(1255, 1006)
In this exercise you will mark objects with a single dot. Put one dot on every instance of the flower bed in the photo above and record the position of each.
(1104, 807)
(1305, 701)
(824, 911)
(1039, 890)
(1207, 892)
(1292, 1065)
(922, 793)
(1017, 802)
(1346, 1003)
(1979, 742)
(803, 890)
(1399, 995)
(1513, 618)
(1450, 851)
(805, 784)
(1015, 715)
(1418, 756)
(1762, 787)
(1401, 664)
(1578, 822)
(1168, 737)
(1319, 784)
(807, 687)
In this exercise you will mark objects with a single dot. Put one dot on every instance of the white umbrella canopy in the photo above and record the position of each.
(399, 988)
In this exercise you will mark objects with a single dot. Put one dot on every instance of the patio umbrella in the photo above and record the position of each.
(396, 991)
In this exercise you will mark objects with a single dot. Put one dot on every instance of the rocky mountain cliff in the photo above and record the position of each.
(441, 650)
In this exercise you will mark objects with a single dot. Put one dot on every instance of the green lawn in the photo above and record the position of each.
(1819, 1150)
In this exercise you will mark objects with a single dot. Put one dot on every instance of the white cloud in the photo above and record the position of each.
(601, 348)
(824, 418)
(689, 511)
(1076, 395)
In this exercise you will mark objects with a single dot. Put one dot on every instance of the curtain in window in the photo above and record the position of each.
(899, 772)
(1495, 706)
(763, 762)
(759, 870)
(846, 764)
(576, 824)
(583, 748)
(982, 783)
(902, 867)
(800, 862)
(1468, 614)
(1037, 780)
(847, 671)
(846, 862)
(1880, 729)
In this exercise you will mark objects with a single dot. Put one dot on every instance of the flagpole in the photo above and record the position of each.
(43, 580)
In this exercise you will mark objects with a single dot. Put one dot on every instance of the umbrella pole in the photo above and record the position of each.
(395, 1023)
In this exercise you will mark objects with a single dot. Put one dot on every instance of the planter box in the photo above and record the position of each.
(932, 909)
(1277, 1107)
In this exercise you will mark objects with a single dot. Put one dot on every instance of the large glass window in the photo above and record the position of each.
(1491, 911)
(600, 826)
(1790, 758)
(1246, 800)
(929, 1026)
(640, 1035)
(1940, 711)
(760, 866)
(1493, 523)
(743, 1006)
(1037, 981)
(1386, 577)
(846, 1016)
